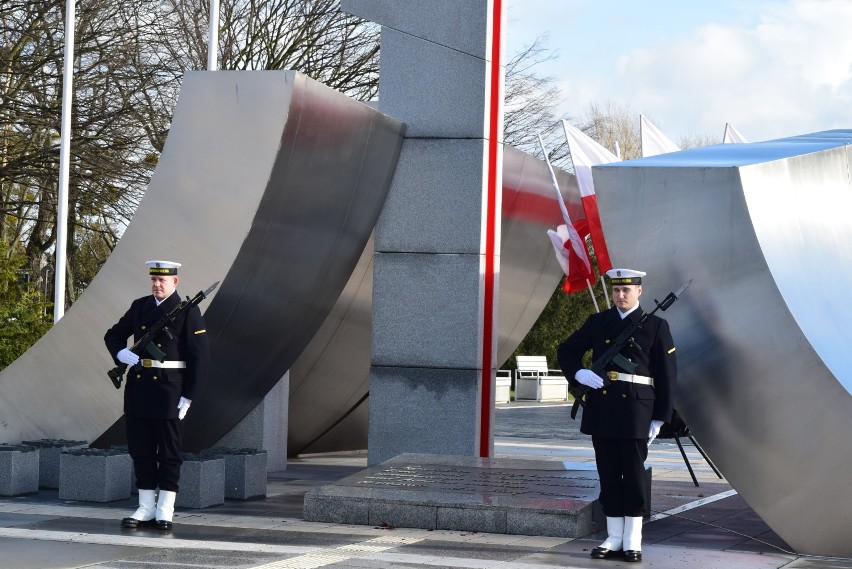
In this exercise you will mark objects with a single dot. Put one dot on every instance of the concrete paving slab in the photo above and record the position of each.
(703, 527)
(24, 554)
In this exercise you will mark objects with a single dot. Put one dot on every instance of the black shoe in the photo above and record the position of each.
(604, 553)
(133, 523)
(632, 556)
(164, 525)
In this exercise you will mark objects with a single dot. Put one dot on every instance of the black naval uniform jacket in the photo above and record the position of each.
(623, 409)
(155, 392)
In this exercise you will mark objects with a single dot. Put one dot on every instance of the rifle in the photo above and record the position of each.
(613, 353)
(146, 343)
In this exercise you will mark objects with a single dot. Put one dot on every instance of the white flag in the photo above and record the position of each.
(653, 140)
(732, 135)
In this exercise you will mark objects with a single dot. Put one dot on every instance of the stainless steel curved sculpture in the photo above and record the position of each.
(336, 364)
(763, 333)
(269, 182)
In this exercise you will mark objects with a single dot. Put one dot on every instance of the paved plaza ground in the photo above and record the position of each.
(708, 526)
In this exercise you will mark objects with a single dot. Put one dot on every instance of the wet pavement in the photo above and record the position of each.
(708, 526)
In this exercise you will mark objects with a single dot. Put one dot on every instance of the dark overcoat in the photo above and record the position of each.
(622, 409)
(155, 392)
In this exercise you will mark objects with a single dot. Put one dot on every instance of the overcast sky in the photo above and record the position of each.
(772, 68)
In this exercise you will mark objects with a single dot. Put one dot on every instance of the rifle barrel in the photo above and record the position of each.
(682, 289)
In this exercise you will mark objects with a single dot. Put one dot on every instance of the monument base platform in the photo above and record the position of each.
(442, 492)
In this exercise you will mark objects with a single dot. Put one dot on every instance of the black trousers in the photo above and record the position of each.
(621, 469)
(155, 447)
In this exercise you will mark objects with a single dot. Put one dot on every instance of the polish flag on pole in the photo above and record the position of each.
(732, 135)
(586, 153)
(653, 140)
(571, 254)
(569, 247)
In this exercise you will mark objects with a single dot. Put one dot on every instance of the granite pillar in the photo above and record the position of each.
(265, 427)
(438, 237)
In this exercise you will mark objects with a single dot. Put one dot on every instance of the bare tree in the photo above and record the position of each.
(612, 123)
(313, 37)
(130, 56)
(108, 170)
(695, 140)
(530, 100)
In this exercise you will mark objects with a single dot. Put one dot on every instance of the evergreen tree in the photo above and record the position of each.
(25, 313)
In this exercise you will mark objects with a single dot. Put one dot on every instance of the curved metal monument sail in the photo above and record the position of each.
(763, 333)
(269, 182)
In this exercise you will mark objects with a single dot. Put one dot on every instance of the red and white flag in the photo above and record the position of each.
(571, 254)
(586, 153)
(653, 140)
(569, 247)
(732, 135)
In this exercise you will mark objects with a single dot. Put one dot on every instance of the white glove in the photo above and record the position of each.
(589, 378)
(183, 407)
(125, 356)
(654, 430)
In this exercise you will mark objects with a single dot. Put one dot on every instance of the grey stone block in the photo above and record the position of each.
(265, 427)
(550, 524)
(464, 493)
(331, 509)
(445, 178)
(202, 481)
(124, 449)
(276, 417)
(18, 470)
(488, 520)
(48, 459)
(422, 411)
(429, 310)
(94, 475)
(404, 515)
(461, 26)
(247, 433)
(436, 91)
(245, 472)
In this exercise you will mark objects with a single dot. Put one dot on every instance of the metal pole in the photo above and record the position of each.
(64, 155)
(213, 42)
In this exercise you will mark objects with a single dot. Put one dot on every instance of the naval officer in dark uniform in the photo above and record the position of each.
(624, 417)
(158, 394)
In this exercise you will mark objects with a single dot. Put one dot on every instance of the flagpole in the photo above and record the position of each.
(213, 41)
(64, 155)
(592, 293)
(606, 295)
(553, 181)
